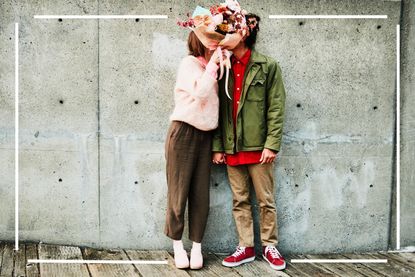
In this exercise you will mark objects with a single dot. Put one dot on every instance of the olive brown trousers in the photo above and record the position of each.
(261, 176)
(188, 157)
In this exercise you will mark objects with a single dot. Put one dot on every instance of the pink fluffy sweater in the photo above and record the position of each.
(196, 94)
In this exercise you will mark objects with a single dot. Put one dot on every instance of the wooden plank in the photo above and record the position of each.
(105, 270)
(354, 267)
(362, 268)
(397, 265)
(212, 266)
(32, 270)
(344, 270)
(61, 252)
(1, 254)
(314, 270)
(388, 269)
(408, 263)
(20, 262)
(291, 268)
(7, 260)
(155, 270)
(408, 256)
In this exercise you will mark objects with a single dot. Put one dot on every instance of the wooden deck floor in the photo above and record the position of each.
(15, 264)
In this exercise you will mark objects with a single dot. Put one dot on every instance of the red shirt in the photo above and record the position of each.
(238, 68)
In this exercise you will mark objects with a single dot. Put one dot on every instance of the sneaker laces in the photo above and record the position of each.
(239, 251)
(275, 254)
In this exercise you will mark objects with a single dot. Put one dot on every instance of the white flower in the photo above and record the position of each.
(211, 27)
(217, 19)
(233, 5)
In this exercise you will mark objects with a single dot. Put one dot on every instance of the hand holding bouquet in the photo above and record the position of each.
(222, 26)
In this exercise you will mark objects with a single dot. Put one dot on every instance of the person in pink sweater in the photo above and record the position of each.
(188, 149)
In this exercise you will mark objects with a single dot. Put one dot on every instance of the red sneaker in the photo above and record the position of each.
(242, 255)
(273, 257)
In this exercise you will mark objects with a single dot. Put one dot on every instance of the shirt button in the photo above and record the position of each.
(237, 88)
(237, 62)
(238, 75)
(237, 102)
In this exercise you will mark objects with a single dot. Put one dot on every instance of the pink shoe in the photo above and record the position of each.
(196, 258)
(180, 258)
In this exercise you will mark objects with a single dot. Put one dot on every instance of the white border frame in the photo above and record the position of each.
(397, 131)
(16, 84)
(398, 140)
(328, 16)
(165, 17)
(16, 135)
(145, 16)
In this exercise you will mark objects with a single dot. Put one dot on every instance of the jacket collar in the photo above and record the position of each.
(257, 57)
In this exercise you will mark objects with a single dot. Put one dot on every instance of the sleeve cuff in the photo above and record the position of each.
(212, 69)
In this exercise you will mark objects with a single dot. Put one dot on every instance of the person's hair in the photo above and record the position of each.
(196, 48)
(252, 20)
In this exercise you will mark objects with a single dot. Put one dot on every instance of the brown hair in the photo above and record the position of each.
(196, 48)
(252, 20)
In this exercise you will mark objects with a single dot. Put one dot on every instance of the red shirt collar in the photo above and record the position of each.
(245, 58)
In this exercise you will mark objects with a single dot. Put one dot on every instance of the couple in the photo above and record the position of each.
(244, 132)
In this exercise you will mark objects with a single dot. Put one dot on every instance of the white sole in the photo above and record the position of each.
(281, 267)
(238, 263)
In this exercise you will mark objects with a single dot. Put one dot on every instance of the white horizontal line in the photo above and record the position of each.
(345, 261)
(328, 16)
(143, 16)
(94, 262)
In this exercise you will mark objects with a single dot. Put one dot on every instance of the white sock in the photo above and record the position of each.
(177, 244)
(197, 246)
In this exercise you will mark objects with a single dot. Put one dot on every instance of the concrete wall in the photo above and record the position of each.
(95, 99)
(408, 124)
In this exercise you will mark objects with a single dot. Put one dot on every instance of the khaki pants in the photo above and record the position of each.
(261, 176)
(188, 156)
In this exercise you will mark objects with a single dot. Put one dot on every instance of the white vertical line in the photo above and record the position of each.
(16, 134)
(398, 142)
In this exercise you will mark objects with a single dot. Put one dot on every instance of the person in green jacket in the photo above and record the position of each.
(248, 140)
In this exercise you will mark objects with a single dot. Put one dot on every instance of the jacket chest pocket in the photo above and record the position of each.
(256, 90)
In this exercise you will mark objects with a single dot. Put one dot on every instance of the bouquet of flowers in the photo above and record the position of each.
(222, 26)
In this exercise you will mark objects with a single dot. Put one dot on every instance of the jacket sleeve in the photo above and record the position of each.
(276, 107)
(195, 81)
(217, 141)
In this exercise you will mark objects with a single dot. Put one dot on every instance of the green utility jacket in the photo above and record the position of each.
(260, 114)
